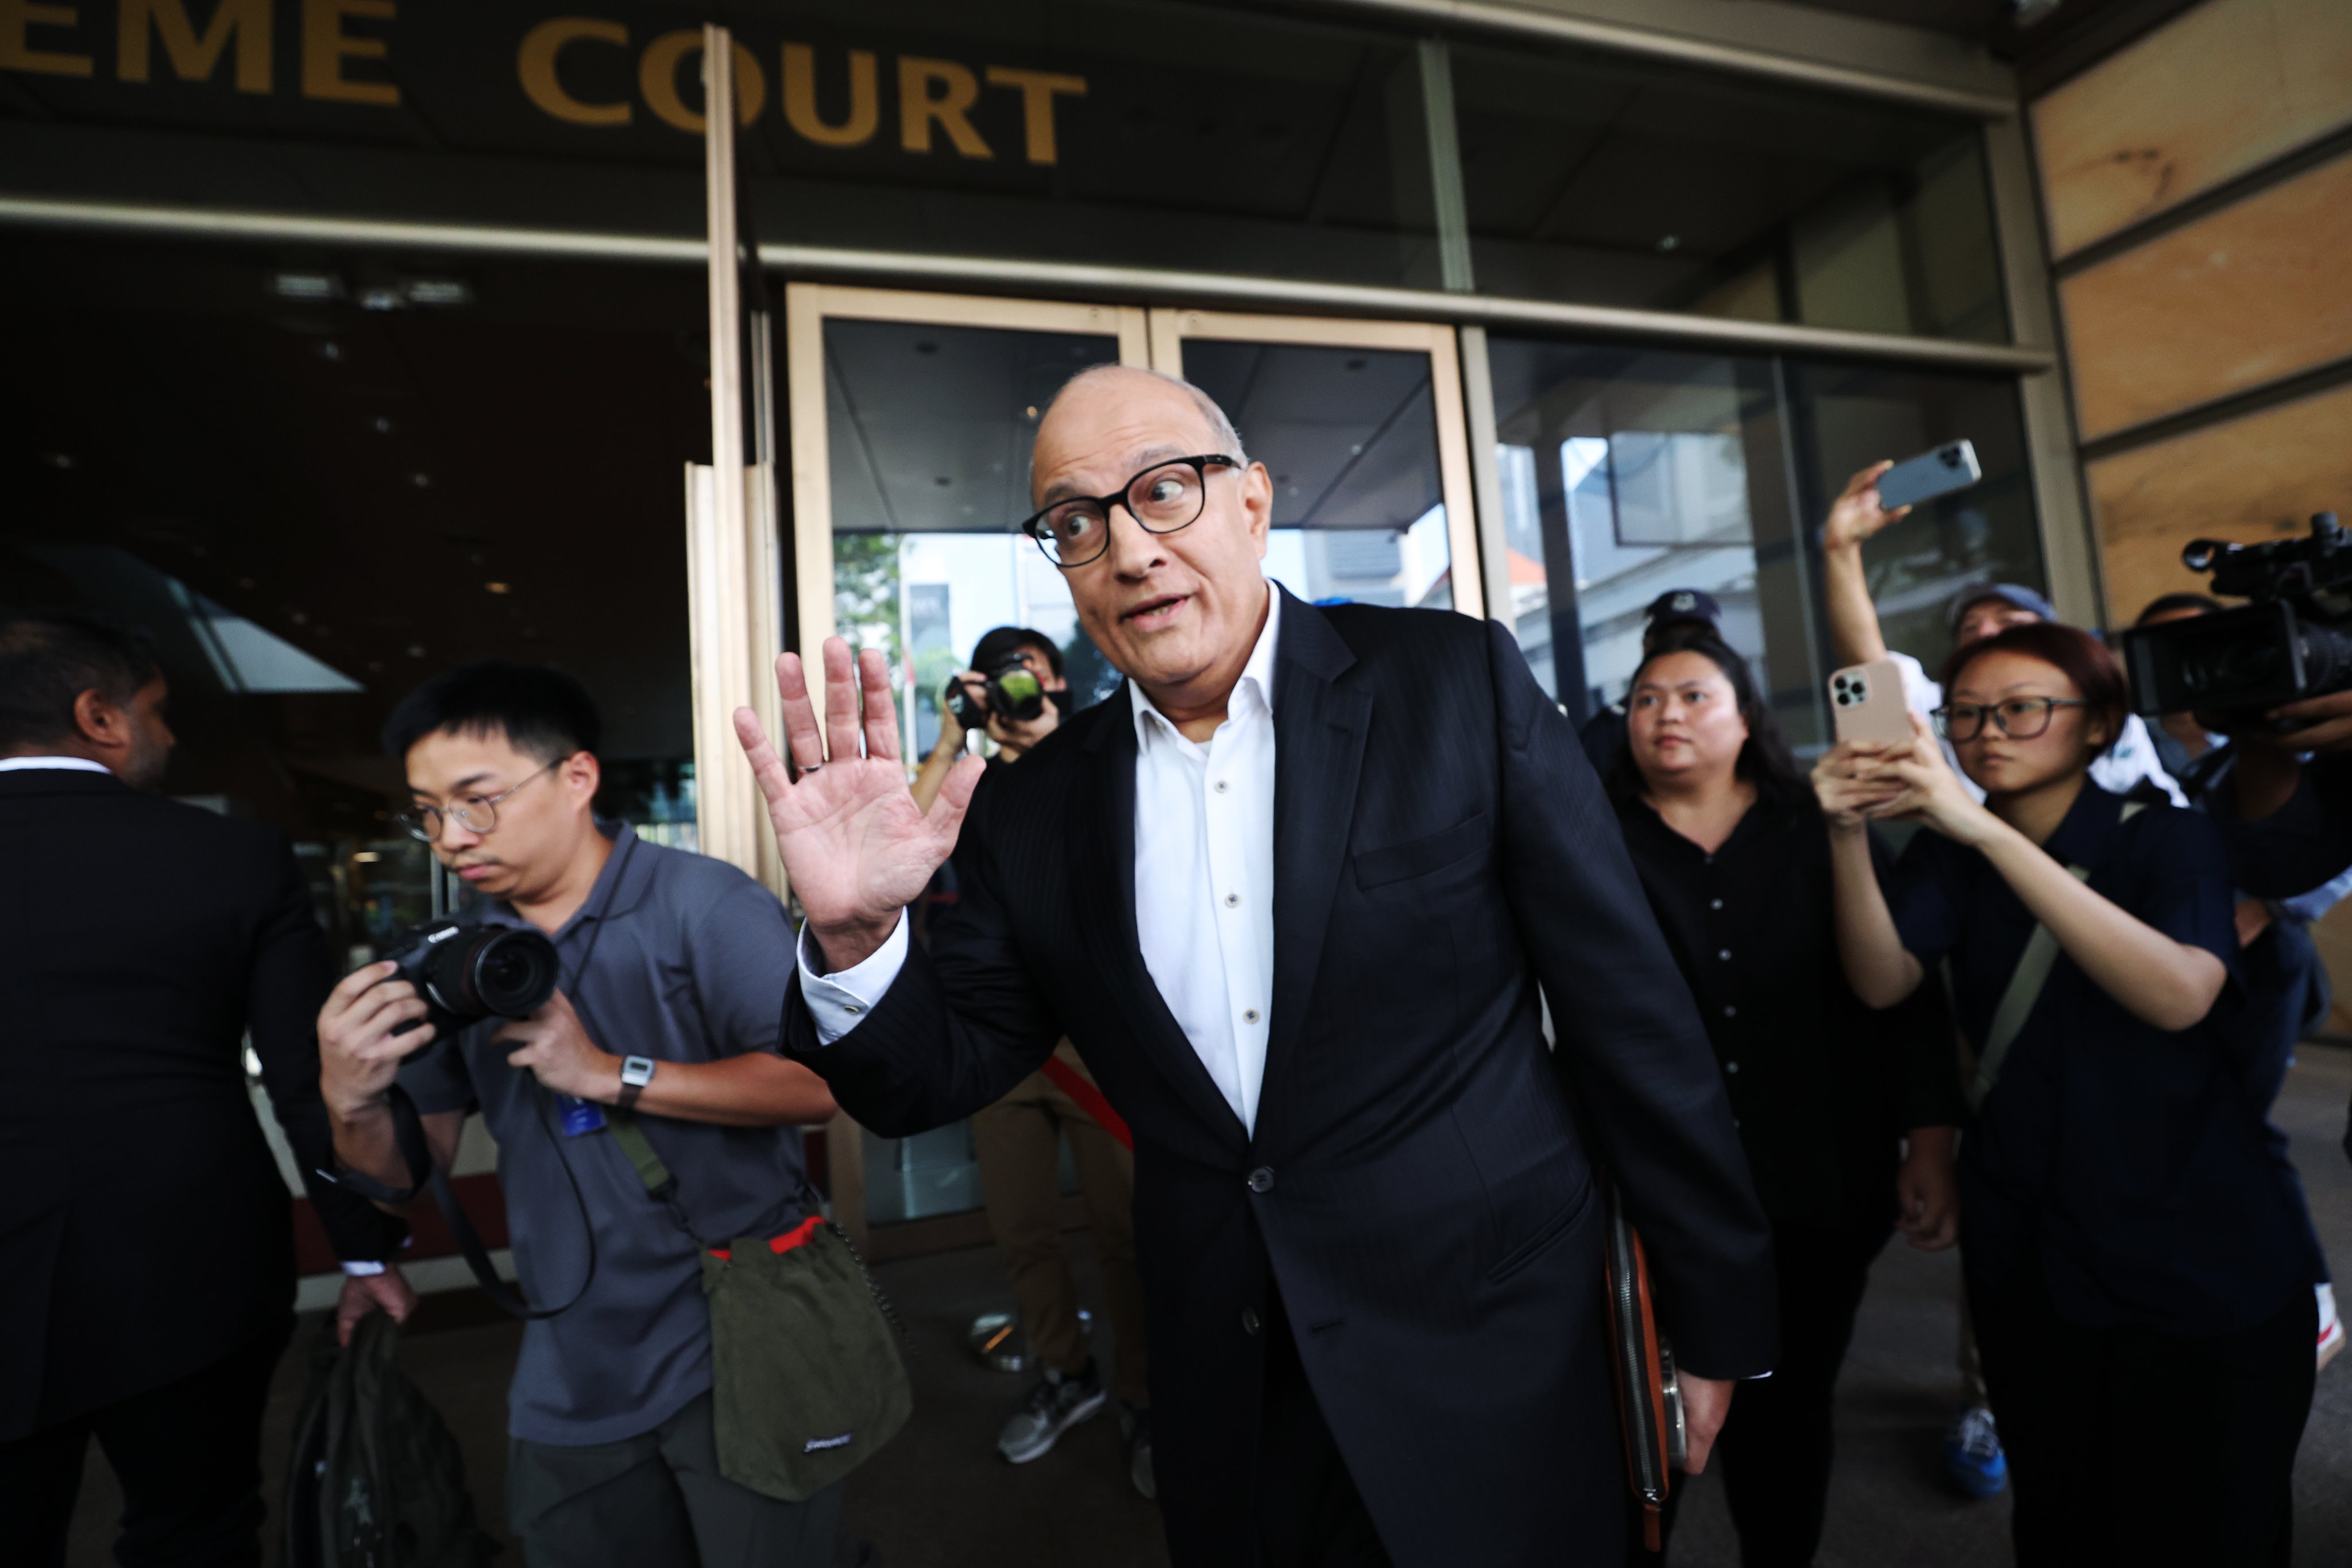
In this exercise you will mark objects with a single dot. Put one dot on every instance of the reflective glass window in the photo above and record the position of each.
(1349, 437)
(1627, 473)
(1607, 180)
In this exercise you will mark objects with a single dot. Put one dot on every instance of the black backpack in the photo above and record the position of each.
(377, 1479)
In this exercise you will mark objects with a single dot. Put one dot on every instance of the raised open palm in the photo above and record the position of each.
(856, 845)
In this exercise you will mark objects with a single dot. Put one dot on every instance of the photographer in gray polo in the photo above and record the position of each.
(673, 971)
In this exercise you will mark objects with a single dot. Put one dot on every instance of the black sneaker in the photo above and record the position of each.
(1053, 1407)
(1137, 1425)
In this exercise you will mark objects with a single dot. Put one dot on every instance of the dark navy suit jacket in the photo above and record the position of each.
(1427, 1209)
(145, 1233)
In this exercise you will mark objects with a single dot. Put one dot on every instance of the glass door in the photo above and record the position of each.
(1360, 425)
(911, 421)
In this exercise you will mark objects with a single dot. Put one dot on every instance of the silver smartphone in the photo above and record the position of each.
(1950, 467)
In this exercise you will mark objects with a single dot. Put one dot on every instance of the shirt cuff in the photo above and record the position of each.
(839, 1002)
(361, 1268)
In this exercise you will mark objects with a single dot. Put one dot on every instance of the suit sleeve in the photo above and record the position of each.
(960, 1025)
(292, 976)
(1631, 1048)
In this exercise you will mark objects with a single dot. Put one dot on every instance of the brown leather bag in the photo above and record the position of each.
(1649, 1399)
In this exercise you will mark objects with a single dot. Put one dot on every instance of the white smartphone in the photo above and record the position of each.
(1950, 467)
(1866, 702)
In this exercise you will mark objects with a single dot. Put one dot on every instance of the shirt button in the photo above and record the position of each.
(1220, 786)
(1725, 955)
(1249, 1319)
(1249, 1016)
(1233, 901)
(1731, 1067)
(1261, 1179)
(1730, 1012)
(1715, 905)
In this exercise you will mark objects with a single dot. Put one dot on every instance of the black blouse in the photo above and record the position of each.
(1822, 1085)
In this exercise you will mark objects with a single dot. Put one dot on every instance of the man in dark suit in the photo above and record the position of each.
(1294, 893)
(146, 1236)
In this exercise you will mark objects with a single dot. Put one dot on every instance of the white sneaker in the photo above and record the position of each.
(2331, 1327)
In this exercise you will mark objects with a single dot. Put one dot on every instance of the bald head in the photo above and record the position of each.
(1179, 611)
(1097, 379)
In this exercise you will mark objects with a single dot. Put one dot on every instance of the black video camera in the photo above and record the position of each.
(1012, 692)
(2293, 641)
(469, 972)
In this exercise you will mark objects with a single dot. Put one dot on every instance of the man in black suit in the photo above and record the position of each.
(146, 1236)
(1364, 1197)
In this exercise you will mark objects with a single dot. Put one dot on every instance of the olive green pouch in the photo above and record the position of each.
(806, 1379)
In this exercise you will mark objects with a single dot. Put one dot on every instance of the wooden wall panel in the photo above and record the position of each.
(2211, 94)
(2258, 291)
(2249, 479)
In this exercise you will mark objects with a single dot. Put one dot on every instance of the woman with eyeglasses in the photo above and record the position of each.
(2133, 1259)
(1734, 861)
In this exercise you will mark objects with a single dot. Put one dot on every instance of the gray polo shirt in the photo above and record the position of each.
(692, 967)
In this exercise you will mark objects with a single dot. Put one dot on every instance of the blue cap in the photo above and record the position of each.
(1682, 605)
(2015, 593)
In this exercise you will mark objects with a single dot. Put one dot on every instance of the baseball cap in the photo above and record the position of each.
(2016, 594)
(1682, 605)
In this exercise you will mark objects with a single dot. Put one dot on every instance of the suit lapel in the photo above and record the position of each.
(1104, 851)
(1319, 726)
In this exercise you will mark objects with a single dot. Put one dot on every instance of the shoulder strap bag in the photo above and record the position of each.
(2025, 983)
(806, 1379)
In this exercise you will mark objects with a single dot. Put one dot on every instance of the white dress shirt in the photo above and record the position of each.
(75, 764)
(1203, 885)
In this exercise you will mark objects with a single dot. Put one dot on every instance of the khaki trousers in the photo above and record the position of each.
(1018, 1143)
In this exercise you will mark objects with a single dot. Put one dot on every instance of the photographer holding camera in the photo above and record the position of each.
(672, 971)
(1018, 1140)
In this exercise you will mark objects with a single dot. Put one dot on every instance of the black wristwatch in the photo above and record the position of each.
(635, 1073)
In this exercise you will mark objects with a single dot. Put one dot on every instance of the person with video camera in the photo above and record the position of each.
(1015, 688)
(2134, 1265)
(146, 1235)
(1846, 1113)
(672, 969)
(1298, 891)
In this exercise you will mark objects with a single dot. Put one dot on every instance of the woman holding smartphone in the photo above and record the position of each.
(2133, 1261)
(1735, 859)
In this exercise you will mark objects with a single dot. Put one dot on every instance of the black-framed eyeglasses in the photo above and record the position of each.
(2018, 718)
(1165, 496)
(478, 814)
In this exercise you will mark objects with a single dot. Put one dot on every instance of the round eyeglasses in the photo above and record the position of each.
(2018, 718)
(478, 813)
(1165, 496)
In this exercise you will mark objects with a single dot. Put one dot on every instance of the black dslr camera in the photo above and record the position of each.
(469, 972)
(2293, 641)
(1010, 691)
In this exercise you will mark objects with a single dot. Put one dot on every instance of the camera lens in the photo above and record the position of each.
(511, 972)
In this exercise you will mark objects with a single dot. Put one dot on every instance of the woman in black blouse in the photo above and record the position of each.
(1735, 858)
(2135, 1263)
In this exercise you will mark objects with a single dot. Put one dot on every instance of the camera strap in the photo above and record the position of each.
(409, 1130)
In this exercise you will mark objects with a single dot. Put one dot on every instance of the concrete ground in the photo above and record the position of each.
(939, 1498)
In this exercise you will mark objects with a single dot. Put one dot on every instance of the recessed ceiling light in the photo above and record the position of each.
(437, 291)
(415, 650)
(422, 481)
(1669, 241)
(383, 297)
(499, 587)
(383, 426)
(367, 858)
(306, 285)
(62, 460)
(331, 349)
